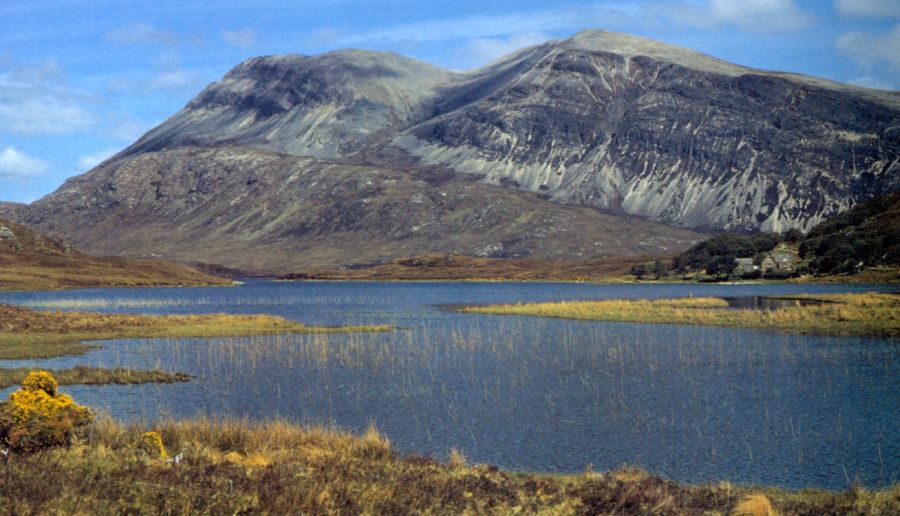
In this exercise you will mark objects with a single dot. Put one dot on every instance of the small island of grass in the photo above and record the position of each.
(84, 375)
(34, 334)
(856, 314)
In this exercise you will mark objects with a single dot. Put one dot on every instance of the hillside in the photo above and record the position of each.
(866, 236)
(263, 212)
(592, 147)
(31, 261)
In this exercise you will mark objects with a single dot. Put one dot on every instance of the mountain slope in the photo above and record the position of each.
(866, 236)
(31, 261)
(265, 212)
(357, 157)
(324, 106)
(619, 122)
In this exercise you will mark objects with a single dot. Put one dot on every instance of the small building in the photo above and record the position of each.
(745, 266)
(781, 261)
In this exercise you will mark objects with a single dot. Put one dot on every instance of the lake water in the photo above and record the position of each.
(690, 403)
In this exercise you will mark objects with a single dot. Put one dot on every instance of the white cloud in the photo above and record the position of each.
(754, 15)
(141, 33)
(868, 8)
(18, 164)
(243, 38)
(484, 50)
(169, 75)
(175, 79)
(124, 127)
(492, 26)
(867, 81)
(871, 50)
(35, 101)
(89, 161)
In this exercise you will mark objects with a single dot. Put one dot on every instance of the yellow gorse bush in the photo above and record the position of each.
(151, 442)
(38, 416)
(40, 381)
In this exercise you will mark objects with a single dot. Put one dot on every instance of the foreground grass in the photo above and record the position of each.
(84, 375)
(861, 314)
(32, 334)
(277, 468)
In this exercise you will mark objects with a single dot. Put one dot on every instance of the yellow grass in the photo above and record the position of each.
(869, 313)
(754, 505)
(231, 467)
(26, 333)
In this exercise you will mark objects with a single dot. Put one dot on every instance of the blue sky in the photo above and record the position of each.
(82, 79)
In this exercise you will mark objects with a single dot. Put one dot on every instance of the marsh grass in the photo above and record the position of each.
(859, 314)
(84, 375)
(33, 334)
(228, 467)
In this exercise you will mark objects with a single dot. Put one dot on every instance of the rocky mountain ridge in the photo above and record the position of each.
(339, 159)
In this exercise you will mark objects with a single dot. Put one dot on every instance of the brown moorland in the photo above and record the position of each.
(231, 467)
(455, 267)
(32, 261)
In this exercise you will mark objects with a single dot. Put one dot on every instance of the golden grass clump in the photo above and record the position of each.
(152, 443)
(29, 334)
(457, 459)
(859, 314)
(37, 416)
(754, 505)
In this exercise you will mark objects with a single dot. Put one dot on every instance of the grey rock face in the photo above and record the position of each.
(7, 234)
(679, 137)
(324, 106)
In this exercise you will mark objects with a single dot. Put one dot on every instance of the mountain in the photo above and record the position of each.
(263, 212)
(588, 147)
(32, 261)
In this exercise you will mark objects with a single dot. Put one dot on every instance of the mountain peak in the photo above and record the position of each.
(628, 45)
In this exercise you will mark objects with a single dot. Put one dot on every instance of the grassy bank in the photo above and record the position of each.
(83, 375)
(860, 314)
(278, 468)
(30, 334)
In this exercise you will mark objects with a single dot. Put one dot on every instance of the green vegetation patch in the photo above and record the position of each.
(860, 314)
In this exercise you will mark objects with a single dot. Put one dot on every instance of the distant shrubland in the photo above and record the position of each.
(864, 237)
